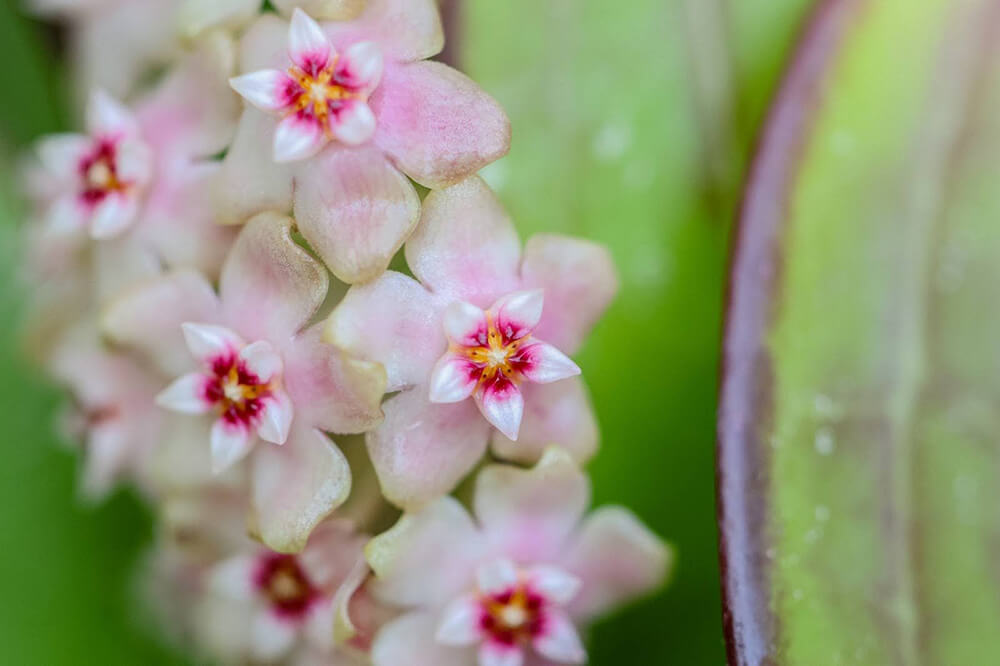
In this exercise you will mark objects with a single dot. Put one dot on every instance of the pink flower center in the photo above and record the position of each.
(514, 616)
(98, 173)
(282, 581)
(235, 392)
(496, 359)
(319, 93)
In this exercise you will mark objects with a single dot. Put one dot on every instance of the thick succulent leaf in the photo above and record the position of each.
(859, 464)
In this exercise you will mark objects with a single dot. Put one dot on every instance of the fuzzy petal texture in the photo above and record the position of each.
(466, 247)
(296, 485)
(617, 558)
(553, 413)
(465, 324)
(271, 287)
(579, 280)
(410, 640)
(360, 66)
(502, 404)
(353, 123)
(422, 450)
(453, 379)
(518, 313)
(355, 210)
(436, 124)
(542, 363)
(428, 558)
(394, 321)
(405, 30)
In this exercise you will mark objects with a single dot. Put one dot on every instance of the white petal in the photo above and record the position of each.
(264, 89)
(185, 395)
(497, 654)
(230, 443)
(503, 407)
(308, 46)
(496, 577)
(553, 583)
(360, 66)
(272, 636)
(61, 153)
(276, 418)
(465, 324)
(297, 138)
(262, 360)
(460, 622)
(519, 313)
(113, 215)
(452, 379)
(545, 364)
(105, 115)
(134, 161)
(354, 123)
(233, 578)
(560, 641)
(208, 341)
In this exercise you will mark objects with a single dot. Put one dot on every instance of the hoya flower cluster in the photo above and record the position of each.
(211, 256)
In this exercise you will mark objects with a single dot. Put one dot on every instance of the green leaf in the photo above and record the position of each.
(859, 457)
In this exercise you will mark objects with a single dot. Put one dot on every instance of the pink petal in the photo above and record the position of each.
(436, 124)
(266, 89)
(409, 640)
(113, 215)
(422, 450)
(276, 418)
(394, 321)
(264, 45)
(353, 123)
(579, 280)
(496, 577)
(107, 117)
(617, 558)
(308, 47)
(406, 30)
(460, 622)
(502, 404)
(465, 324)
(270, 287)
(332, 391)
(553, 583)
(360, 67)
(355, 210)
(453, 379)
(529, 513)
(428, 558)
(558, 412)
(262, 359)
(134, 161)
(492, 653)
(465, 247)
(298, 136)
(542, 363)
(518, 313)
(186, 395)
(230, 444)
(560, 642)
(296, 485)
(271, 636)
(208, 342)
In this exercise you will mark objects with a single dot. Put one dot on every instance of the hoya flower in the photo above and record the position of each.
(345, 112)
(269, 606)
(478, 347)
(512, 585)
(248, 365)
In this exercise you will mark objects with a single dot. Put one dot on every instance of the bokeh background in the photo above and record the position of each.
(632, 124)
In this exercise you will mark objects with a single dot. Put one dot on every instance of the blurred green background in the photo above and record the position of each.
(632, 124)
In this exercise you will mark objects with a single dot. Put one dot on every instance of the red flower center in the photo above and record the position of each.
(282, 581)
(514, 616)
(99, 173)
(497, 359)
(318, 93)
(237, 394)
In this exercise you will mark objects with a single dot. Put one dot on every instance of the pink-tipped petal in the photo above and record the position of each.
(557, 412)
(465, 324)
(296, 485)
(360, 66)
(465, 247)
(394, 321)
(270, 287)
(277, 418)
(262, 359)
(579, 280)
(266, 89)
(208, 342)
(107, 117)
(230, 444)
(308, 47)
(355, 209)
(353, 123)
(185, 395)
(271, 636)
(496, 577)
(422, 450)
(298, 136)
(502, 404)
(114, 215)
(553, 583)
(560, 641)
(453, 379)
(409, 640)
(518, 313)
(531, 512)
(542, 363)
(493, 653)
(436, 124)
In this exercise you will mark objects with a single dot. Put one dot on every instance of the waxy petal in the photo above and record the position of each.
(296, 485)
(558, 412)
(560, 641)
(107, 117)
(114, 215)
(553, 583)
(276, 419)
(502, 404)
(353, 123)
(265, 89)
(465, 324)
(262, 359)
(406, 30)
(298, 136)
(436, 124)
(496, 577)
(271, 637)
(461, 622)
(207, 342)
(422, 450)
(270, 287)
(409, 640)
(492, 653)
(230, 444)
(542, 363)
(355, 210)
(308, 46)
(185, 395)
(360, 67)
(518, 314)
(453, 379)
